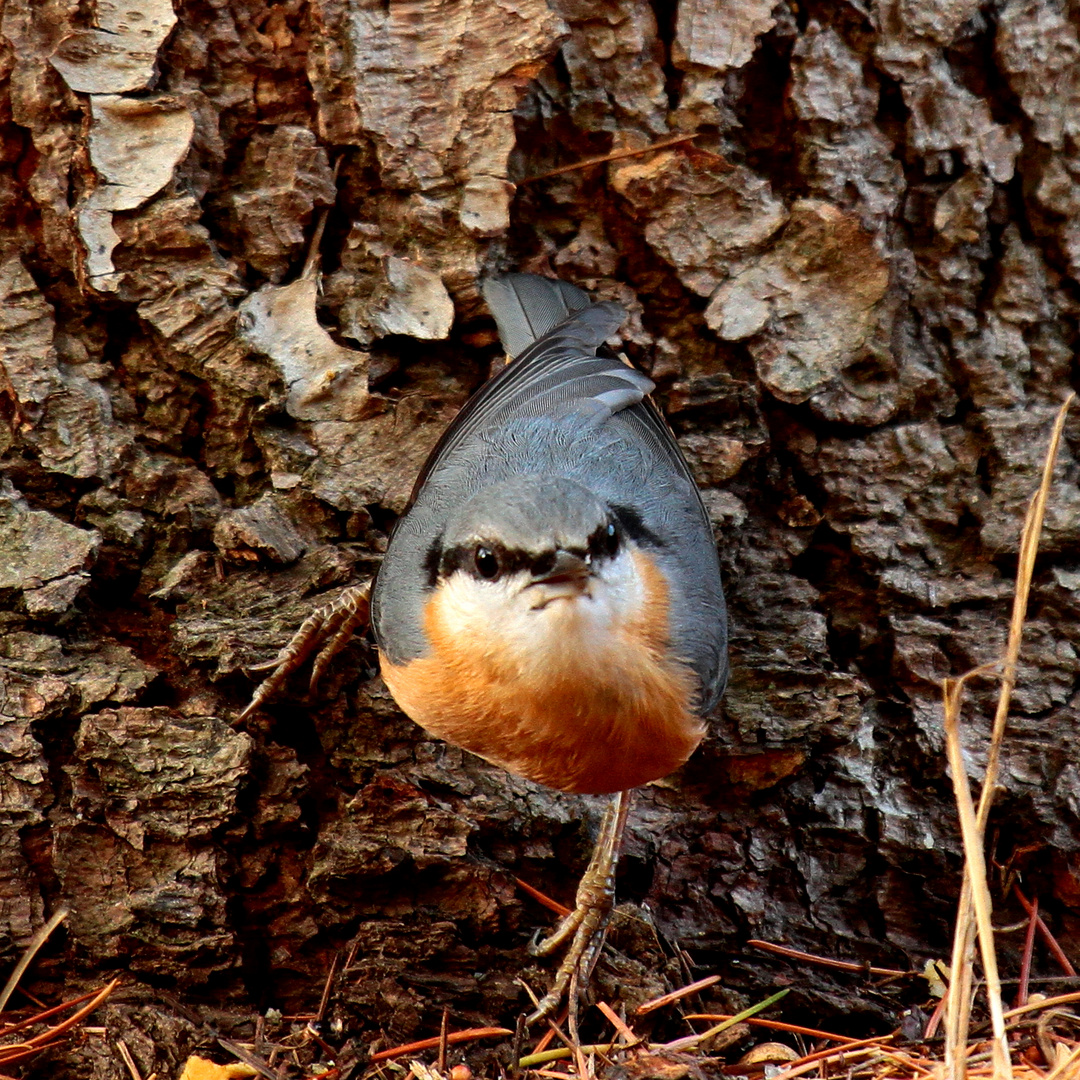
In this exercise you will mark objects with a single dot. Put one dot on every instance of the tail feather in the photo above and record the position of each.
(526, 307)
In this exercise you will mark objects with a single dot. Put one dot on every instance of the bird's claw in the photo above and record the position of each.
(328, 629)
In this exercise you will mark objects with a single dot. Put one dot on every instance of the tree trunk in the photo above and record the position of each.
(857, 291)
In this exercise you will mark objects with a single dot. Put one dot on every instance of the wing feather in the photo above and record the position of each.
(557, 335)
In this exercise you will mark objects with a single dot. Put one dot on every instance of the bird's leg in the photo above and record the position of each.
(329, 629)
(586, 925)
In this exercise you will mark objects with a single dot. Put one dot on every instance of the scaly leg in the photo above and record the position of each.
(329, 629)
(586, 926)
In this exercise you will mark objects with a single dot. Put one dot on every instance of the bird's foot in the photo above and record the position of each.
(328, 629)
(586, 926)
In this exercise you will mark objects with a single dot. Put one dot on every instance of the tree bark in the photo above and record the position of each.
(857, 289)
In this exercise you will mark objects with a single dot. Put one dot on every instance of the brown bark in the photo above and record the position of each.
(857, 290)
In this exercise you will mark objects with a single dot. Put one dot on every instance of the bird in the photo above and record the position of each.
(551, 599)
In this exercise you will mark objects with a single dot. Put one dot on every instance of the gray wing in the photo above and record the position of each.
(526, 307)
(560, 370)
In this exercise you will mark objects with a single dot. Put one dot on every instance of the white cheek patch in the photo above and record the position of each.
(479, 611)
(503, 617)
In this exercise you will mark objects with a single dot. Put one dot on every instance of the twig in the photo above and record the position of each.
(452, 1039)
(825, 961)
(515, 1046)
(676, 995)
(28, 955)
(615, 155)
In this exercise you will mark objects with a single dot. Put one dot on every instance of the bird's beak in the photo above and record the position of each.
(568, 568)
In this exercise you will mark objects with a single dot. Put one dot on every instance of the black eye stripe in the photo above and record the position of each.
(635, 528)
(433, 562)
(463, 557)
(513, 560)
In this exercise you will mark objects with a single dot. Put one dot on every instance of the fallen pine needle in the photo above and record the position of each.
(552, 905)
(862, 1048)
(38, 1018)
(675, 995)
(564, 1052)
(14, 1052)
(615, 155)
(738, 1018)
(617, 1022)
(548, 1037)
(1051, 942)
(838, 1051)
(452, 1039)
(776, 1025)
(825, 961)
(1046, 1003)
(1064, 1067)
(129, 1061)
(72, 1021)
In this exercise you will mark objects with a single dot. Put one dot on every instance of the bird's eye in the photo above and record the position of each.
(486, 562)
(611, 538)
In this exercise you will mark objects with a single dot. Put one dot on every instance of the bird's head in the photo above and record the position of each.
(526, 558)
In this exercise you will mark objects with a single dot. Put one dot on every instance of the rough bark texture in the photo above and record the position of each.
(857, 290)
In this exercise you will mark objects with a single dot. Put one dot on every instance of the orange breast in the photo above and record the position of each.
(609, 715)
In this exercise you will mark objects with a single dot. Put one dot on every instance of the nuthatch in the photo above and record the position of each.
(551, 599)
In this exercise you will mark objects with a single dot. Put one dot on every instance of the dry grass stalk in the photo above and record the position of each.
(27, 957)
(975, 907)
(980, 894)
